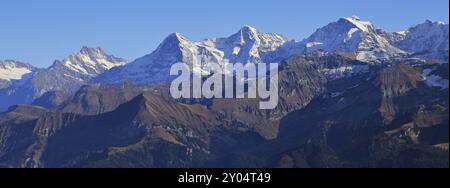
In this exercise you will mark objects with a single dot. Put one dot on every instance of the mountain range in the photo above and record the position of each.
(351, 95)
(352, 36)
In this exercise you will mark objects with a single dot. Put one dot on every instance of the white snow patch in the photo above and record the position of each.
(236, 50)
(311, 44)
(350, 32)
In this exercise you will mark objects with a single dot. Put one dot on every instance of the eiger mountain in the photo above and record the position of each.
(65, 75)
(350, 95)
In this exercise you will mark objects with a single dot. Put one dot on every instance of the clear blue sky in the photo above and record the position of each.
(38, 32)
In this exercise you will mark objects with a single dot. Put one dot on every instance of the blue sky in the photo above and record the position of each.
(38, 32)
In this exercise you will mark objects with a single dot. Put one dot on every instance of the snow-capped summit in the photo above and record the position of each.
(75, 70)
(244, 35)
(248, 45)
(13, 70)
(426, 37)
(154, 66)
(173, 41)
(351, 35)
(245, 46)
(64, 75)
(89, 62)
(173, 49)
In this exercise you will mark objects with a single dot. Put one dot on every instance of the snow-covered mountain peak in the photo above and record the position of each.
(248, 45)
(354, 17)
(64, 75)
(173, 42)
(365, 26)
(353, 35)
(176, 37)
(430, 26)
(245, 46)
(429, 22)
(89, 62)
(248, 33)
(248, 28)
(426, 37)
(93, 52)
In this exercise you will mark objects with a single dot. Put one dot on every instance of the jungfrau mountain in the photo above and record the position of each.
(351, 35)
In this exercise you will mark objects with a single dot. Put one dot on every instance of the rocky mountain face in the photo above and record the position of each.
(66, 75)
(428, 36)
(72, 72)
